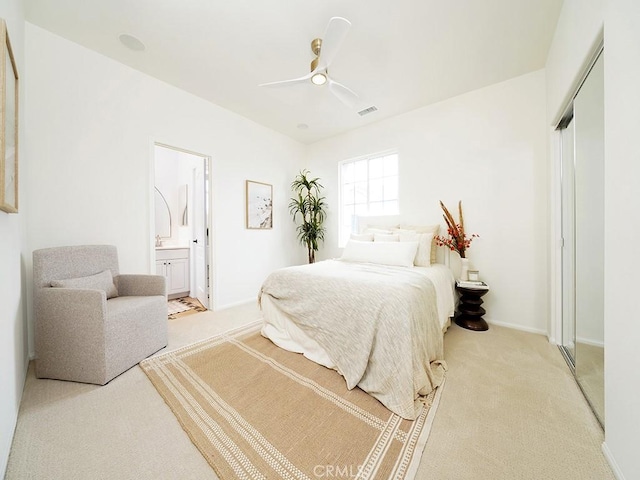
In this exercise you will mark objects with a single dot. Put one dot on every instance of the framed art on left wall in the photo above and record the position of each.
(259, 205)
(8, 124)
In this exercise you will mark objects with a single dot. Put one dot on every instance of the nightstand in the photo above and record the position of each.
(470, 311)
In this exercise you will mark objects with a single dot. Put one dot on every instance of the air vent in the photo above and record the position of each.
(367, 111)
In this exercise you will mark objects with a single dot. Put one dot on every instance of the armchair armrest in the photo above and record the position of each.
(69, 320)
(141, 285)
(72, 303)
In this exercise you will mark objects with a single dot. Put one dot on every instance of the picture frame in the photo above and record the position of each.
(8, 124)
(259, 205)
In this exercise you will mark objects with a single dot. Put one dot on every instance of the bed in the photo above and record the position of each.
(372, 315)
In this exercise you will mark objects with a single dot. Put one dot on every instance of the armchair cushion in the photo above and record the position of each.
(100, 281)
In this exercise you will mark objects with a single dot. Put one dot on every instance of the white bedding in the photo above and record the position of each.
(355, 318)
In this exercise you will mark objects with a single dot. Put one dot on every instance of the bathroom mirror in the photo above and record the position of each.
(163, 215)
(183, 204)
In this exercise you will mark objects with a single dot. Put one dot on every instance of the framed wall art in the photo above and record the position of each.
(259, 205)
(8, 124)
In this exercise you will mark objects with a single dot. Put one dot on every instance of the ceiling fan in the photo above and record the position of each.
(325, 50)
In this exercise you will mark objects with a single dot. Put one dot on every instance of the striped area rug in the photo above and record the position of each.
(256, 411)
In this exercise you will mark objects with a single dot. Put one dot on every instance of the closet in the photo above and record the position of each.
(582, 218)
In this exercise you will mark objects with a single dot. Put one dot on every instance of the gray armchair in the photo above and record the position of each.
(91, 323)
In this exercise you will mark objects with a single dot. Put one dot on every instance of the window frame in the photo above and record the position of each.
(342, 237)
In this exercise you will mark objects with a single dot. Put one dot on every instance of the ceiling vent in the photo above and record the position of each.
(367, 111)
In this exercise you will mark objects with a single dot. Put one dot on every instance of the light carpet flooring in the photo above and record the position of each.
(510, 410)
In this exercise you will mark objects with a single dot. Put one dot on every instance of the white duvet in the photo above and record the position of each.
(381, 327)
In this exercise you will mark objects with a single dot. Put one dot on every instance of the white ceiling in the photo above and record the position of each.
(399, 55)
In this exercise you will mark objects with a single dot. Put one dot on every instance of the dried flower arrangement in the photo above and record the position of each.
(457, 240)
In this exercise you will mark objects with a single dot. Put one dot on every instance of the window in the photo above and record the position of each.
(369, 186)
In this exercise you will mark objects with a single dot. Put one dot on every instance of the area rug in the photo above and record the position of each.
(180, 307)
(257, 411)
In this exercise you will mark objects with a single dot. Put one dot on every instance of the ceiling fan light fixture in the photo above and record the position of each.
(324, 51)
(319, 79)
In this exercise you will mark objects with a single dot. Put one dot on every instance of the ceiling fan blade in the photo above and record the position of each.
(334, 35)
(287, 82)
(342, 93)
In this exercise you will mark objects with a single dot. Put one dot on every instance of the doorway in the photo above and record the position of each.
(182, 223)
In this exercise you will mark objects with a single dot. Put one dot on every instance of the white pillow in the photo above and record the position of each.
(385, 237)
(432, 229)
(382, 253)
(406, 235)
(362, 237)
(425, 250)
(423, 255)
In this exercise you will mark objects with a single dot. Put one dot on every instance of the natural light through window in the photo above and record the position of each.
(369, 187)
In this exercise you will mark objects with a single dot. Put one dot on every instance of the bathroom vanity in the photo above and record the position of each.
(173, 263)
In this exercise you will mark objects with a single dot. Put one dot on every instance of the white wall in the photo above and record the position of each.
(13, 329)
(578, 32)
(487, 148)
(622, 258)
(92, 123)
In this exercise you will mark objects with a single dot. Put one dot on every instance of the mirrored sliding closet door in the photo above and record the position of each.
(582, 167)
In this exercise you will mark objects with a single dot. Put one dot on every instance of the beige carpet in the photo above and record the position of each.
(510, 410)
(254, 409)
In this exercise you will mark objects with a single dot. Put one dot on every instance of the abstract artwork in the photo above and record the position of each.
(259, 205)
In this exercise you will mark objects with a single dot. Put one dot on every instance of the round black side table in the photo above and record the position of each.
(470, 311)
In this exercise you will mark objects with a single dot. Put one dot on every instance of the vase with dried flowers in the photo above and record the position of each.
(456, 239)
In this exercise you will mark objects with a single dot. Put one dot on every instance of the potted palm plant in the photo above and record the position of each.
(308, 205)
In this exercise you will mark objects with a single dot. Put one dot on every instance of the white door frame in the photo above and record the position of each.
(208, 198)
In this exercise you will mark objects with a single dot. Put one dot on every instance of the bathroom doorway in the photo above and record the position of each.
(182, 223)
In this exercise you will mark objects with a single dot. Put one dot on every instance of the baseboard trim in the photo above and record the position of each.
(612, 462)
(586, 341)
(519, 327)
(235, 304)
